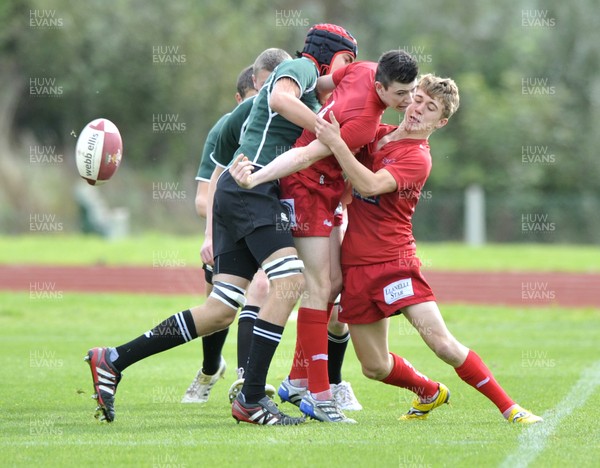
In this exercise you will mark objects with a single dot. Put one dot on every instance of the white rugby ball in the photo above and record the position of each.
(98, 151)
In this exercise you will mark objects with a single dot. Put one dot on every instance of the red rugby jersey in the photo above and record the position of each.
(380, 227)
(356, 107)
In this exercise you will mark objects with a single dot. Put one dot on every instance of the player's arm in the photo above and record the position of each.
(325, 84)
(207, 252)
(364, 181)
(291, 161)
(225, 146)
(356, 133)
(201, 201)
(285, 100)
(204, 172)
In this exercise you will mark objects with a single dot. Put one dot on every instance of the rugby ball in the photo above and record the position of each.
(98, 151)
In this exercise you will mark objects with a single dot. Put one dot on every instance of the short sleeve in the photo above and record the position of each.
(302, 71)
(228, 139)
(207, 166)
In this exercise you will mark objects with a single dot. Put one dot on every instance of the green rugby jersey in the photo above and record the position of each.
(228, 140)
(267, 134)
(207, 165)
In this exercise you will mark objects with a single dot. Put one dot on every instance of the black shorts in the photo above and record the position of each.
(248, 226)
(208, 273)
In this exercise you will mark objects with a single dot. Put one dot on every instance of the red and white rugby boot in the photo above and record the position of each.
(106, 378)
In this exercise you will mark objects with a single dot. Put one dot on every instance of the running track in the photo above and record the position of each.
(499, 288)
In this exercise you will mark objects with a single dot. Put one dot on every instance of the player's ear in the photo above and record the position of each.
(238, 98)
(441, 123)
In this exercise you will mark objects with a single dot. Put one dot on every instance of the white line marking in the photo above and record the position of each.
(534, 438)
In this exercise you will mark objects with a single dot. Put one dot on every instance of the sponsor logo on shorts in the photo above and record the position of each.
(398, 290)
(289, 218)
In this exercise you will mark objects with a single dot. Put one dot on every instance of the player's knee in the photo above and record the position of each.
(446, 349)
(225, 319)
(375, 370)
(258, 289)
(319, 287)
(219, 318)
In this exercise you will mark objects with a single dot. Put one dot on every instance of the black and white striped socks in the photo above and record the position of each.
(174, 331)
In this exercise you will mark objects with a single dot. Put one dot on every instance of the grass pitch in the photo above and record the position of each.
(65, 249)
(547, 360)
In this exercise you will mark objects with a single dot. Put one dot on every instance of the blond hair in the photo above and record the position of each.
(443, 89)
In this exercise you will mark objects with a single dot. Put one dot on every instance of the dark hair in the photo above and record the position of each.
(396, 65)
(244, 81)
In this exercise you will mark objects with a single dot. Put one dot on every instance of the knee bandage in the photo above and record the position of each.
(283, 267)
(229, 294)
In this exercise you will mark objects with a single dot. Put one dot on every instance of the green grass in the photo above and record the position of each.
(144, 250)
(47, 414)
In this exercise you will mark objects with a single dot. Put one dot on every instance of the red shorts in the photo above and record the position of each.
(312, 205)
(374, 292)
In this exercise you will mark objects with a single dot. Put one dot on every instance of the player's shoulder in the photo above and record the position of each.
(239, 114)
(411, 151)
(356, 72)
(362, 66)
(296, 66)
(216, 128)
(400, 151)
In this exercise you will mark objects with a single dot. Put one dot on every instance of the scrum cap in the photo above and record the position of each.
(324, 41)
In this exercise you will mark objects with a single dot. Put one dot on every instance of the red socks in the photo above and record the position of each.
(473, 371)
(310, 357)
(299, 369)
(406, 376)
(477, 375)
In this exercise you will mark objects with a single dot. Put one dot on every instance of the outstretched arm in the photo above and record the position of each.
(364, 181)
(291, 161)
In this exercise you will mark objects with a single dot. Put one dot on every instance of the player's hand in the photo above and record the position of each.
(206, 252)
(327, 132)
(241, 171)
